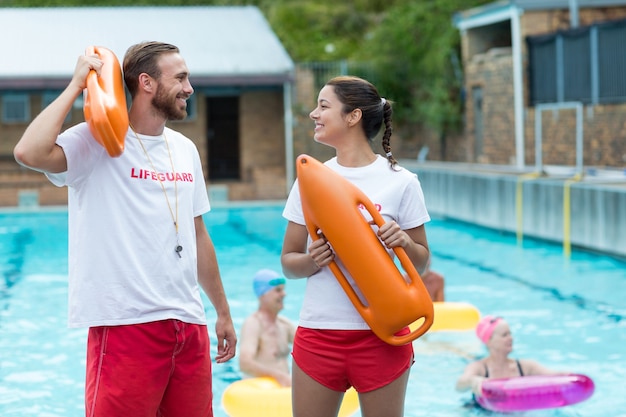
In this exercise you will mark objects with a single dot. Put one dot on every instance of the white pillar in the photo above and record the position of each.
(573, 13)
(518, 86)
(288, 116)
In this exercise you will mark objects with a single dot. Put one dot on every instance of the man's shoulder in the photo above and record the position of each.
(284, 320)
(253, 320)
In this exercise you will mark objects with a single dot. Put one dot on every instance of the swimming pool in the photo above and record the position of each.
(568, 314)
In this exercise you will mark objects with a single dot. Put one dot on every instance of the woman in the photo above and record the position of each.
(495, 333)
(334, 348)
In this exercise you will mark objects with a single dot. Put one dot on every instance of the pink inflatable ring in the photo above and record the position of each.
(534, 392)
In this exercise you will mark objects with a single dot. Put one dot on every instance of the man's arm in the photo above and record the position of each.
(211, 282)
(37, 148)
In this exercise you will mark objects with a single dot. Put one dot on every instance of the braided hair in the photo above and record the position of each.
(357, 93)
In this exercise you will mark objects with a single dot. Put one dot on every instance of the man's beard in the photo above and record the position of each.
(166, 106)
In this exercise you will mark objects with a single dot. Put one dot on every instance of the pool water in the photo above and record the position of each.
(568, 314)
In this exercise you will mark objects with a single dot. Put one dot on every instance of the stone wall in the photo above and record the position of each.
(493, 73)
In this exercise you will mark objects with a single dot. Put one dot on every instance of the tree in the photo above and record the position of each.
(415, 52)
(318, 31)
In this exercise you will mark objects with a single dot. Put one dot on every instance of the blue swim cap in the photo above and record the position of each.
(265, 280)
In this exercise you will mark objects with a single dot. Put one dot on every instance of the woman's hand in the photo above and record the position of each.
(321, 252)
(477, 385)
(413, 241)
(393, 236)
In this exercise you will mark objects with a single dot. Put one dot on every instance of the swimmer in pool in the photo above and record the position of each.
(495, 333)
(266, 336)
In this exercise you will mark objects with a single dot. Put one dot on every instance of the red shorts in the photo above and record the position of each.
(339, 359)
(143, 370)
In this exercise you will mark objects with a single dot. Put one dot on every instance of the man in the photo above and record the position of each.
(434, 283)
(266, 337)
(138, 246)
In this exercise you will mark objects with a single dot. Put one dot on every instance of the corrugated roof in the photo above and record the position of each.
(565, 4)
(502, 6)
(221, 45)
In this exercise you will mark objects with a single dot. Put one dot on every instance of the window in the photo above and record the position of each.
(192, 108)
(48, 97)
(15, 108)
(583, 64)
(612, 62)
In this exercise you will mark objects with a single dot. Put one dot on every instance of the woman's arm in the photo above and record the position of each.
(296, 261)
(471, 379)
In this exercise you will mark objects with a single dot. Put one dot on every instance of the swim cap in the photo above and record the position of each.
(265, 280)
(486, 326)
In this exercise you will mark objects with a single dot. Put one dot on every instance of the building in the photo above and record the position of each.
(239, 115)
(545, 83)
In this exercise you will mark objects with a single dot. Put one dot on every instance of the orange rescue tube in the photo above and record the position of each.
(330, 203)
(105, 102)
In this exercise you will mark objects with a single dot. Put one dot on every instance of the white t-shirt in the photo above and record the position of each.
(123, 268)
(398, 196)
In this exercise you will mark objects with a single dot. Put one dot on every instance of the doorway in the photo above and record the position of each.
(223, 138)
(477, 101)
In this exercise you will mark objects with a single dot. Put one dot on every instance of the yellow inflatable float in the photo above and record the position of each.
(453, 316)
(265, 397)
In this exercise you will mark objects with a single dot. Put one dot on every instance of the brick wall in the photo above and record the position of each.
(604, 126)
(262, 151)
(262, 130)
(304, 103)
(604, 136)
(548, 21)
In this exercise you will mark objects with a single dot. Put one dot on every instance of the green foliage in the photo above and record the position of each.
(314, 31)
(415, 52)
(412, 46)
(116, 3)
